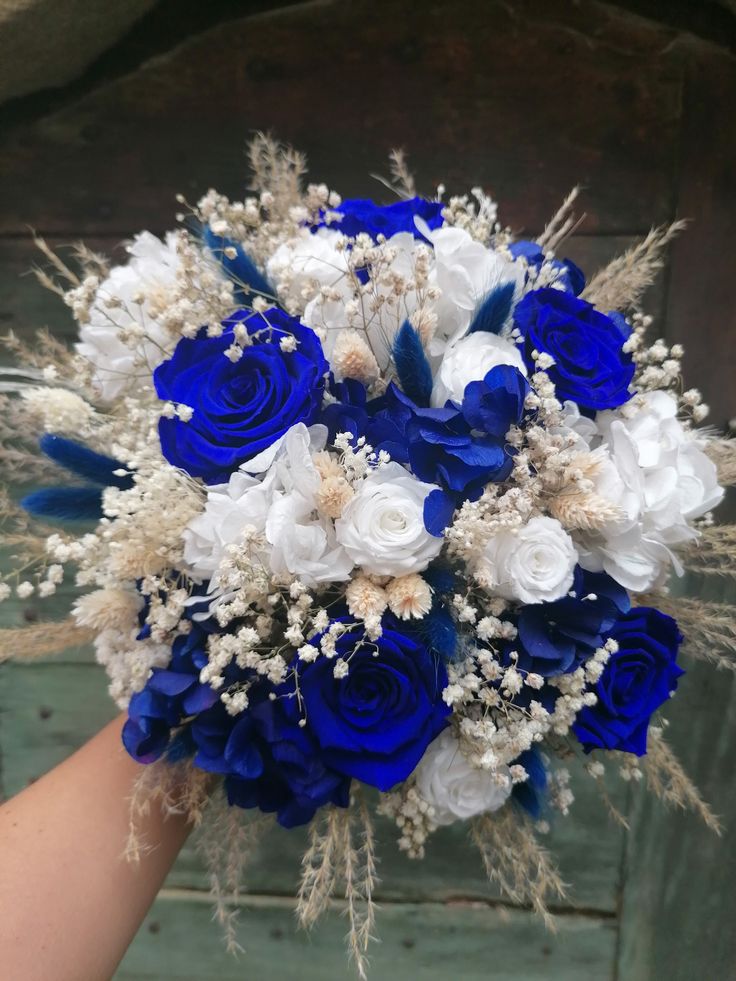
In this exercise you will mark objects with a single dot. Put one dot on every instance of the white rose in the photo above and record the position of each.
(150, 272)
(668, 481)
(531, 564)
(382, 528)
(455, 789)
(470, 359)
(465, 271)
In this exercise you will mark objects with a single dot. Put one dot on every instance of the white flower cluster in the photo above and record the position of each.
(473, 455)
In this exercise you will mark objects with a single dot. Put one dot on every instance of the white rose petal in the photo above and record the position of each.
(456, 790)
(382, 528)
(470, 359)
(531, 564)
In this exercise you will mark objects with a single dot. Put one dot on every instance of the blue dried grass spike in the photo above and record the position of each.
(242, 270)
(65, 503)
(83, 462)
(439, 633)
(412, 366)
(493, 311)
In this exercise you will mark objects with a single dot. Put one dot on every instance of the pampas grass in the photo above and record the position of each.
(516, 862)
(666, 779)
(335, 852)
(41, 639)
(621, 284)
(227, 841)
(709, 628)
(723, 453)
(562, 223)
(713, 553)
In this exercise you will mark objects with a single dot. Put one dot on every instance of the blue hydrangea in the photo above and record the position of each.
(556, 637)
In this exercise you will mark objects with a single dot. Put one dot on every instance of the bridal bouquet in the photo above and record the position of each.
(368, 496)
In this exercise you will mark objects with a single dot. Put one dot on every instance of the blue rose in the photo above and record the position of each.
(240, 408)
(376, 723)
(590, 366)
(362, 215)
(638, 678)
(556, 637)
(568, 274)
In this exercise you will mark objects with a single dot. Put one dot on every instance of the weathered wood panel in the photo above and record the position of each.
(680, 878)
(702, 299)
(425, 942)
(47, 711)
(477, 92)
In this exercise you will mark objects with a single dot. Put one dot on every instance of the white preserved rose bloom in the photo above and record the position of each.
(456, 790)
(382, 528)
(470, 359)
(278, 505)
(465, 271)
(123, 339)
(530, 564)
(668, 481)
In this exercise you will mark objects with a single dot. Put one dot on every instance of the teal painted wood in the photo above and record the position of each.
(680, 883)
(428, 942)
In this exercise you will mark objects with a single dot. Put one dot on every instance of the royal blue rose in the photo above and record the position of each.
(638, 678)
(556, 637)
(570, 276)
(375, 723)
(242, 407)
(362, 215)
(591, 367)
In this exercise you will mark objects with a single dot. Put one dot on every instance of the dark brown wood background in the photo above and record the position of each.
(525, 98)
